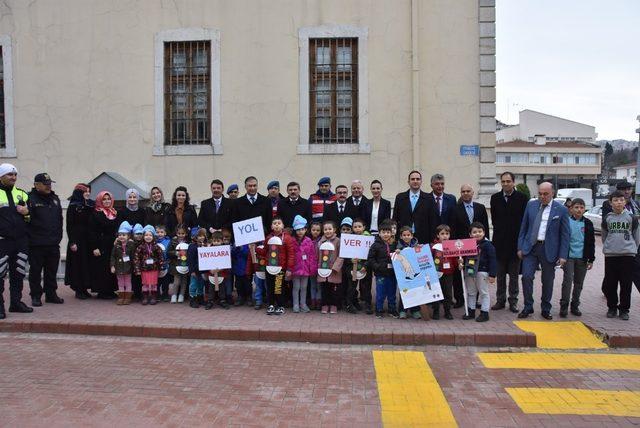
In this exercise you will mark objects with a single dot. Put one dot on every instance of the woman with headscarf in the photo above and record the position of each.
(181, 211)
(103, 228)
(132, 212)
(77, 274)
(156, 212)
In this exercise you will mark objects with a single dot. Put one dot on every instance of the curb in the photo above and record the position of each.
(523, 339)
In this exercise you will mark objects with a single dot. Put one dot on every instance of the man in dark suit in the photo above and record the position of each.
(357, 201)
(251, 205)
(293, 205)
(215, 212)
(340, 209)
(543, 241)
(464, 213)
(507, 210)
(415, 209)
(377, 209)
(443, 203)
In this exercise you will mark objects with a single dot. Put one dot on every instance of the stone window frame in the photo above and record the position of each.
(187, 35)
(9, 151)
(333, 31)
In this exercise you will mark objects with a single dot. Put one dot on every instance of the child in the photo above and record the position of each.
(379, 261)
(581, 257)
(122, 262)
(447, 266)
(407, 240)
(352, 284)
(257, 270)
(148, 262)
(620, 242)
(217, 238)
(346, 225)
(179, 265)
(136, 283)
(285, 259)
(164, 277)
(196, 285)
(315, 233)
(306, 264)
(331, 293)
(240, 258)
(480, 271)
(227, 239)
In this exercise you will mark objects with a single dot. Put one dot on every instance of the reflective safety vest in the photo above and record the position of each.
(12, 223)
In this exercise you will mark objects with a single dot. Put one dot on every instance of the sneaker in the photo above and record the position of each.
(280, 310)
(379, 314)
(624, 315)
(333, 310)
(611, 313)
(174, 298)
(325, 309)
(296, 309)
(352, 310)
(395, 314)
(181, 298)
(304, 309)
(416, 315)
(271, 310)
(402, 315)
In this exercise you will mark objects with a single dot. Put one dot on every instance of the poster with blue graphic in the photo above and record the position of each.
(417, 276)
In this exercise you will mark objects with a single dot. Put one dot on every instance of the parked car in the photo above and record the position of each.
(585, 194)
(595, 215)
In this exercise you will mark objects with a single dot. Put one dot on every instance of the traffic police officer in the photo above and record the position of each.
(13, 238)
(45, 234)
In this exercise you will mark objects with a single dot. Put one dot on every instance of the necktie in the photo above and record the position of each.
(217, 205)
(414, 201)
(506, 198)
(356, 202)
(536, 225)
(252, 199)
(469, 212)
(438, 205)
(341, 209)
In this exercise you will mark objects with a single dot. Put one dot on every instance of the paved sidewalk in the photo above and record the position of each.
(179, 320)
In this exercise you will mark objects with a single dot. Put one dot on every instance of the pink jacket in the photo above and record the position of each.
(305, 266)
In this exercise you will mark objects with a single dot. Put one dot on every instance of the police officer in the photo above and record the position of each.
(13, 238)
(45, 234)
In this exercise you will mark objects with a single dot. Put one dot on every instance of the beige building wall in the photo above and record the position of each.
(84, 90)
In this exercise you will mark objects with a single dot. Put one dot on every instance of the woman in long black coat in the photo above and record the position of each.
(77, 274)
(103, 228)
(156, 212)
(132, 212)
(181, 211)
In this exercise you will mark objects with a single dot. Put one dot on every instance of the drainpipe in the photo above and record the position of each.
(415, 86)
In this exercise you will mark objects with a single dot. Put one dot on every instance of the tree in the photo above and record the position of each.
(608, 150)
(523, 188)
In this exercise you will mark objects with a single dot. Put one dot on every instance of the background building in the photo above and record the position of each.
(626, 172)
(534, 126)
(167, 93)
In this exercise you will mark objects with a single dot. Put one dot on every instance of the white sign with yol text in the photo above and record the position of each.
(248, 231)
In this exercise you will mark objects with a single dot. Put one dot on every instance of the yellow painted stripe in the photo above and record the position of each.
(559, 361)
(409, 392)
(559, 401)
(561, 335)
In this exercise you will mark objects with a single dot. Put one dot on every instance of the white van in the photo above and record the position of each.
(585, 194)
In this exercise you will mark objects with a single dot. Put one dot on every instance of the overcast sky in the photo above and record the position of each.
(577, 59)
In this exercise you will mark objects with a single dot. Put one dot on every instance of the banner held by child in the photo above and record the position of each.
(355, 246)
(210, 258)
(417, 276)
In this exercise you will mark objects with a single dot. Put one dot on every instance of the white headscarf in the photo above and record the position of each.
(126, 195)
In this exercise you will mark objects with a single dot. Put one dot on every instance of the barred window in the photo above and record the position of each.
(333, 91)
(187, 103)
(3, 141)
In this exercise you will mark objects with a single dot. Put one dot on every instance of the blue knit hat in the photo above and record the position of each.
(348, 221)
(138, 228)
(125, 227)
(324, 180)
(194, 231)
(272, 184)
(232, 188)
(299, 222)
(149, 228)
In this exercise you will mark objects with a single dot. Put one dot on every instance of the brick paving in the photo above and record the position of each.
(178, 320)
(73, 380)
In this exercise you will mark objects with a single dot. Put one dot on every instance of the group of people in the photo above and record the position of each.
(150, 254)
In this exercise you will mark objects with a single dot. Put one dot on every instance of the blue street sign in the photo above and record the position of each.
(469, 150)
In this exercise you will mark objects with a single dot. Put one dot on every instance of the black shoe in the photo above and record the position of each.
(470, 316)
(368, 309)
(513, 307)
(484, 316)
(447, 315)
(239, 302)
(394, 314)
(478, 306)
(498, 306)
(208, 306)
(524, 314)
(86, 294)
(352, 310)
(3, 314)
(193, 302)
(546, 315)
(36, 302)
(436, 314)
(81, 296)
(576, 312)
(54, 298)
(612, 313)
(624, 315)
(458, 304)
(564, 311)
(357, 306)
(20, 308)
(379, 314)
(224, 305)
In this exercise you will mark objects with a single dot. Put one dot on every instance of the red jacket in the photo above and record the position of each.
(287, 256)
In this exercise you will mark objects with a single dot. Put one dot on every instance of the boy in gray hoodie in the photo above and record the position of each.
(620, 241)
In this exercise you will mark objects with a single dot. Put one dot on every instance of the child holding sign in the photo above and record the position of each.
(306, 264)
(329, 268)
(479, 272)
(216, 278)
(148, 262)
(407, 240)
(179, 266)
(196, 285)
(279, 255)
(356, 275)
(380, 262)
(447, 267)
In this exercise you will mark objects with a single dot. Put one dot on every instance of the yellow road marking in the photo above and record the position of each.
(561, 360)
(561, 335)
(556, 401)
(409, 392)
